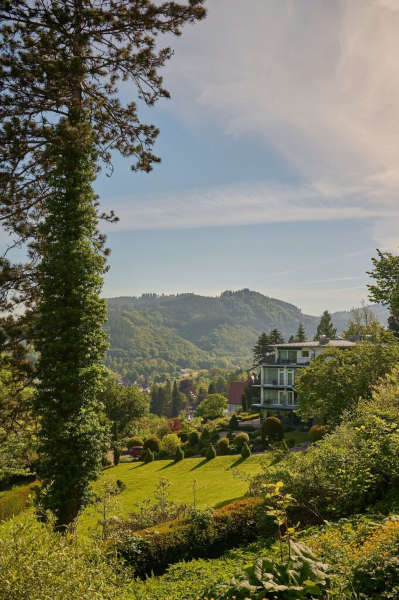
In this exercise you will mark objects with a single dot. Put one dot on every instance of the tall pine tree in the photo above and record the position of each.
(276, 337)
(325, 327)
(300, 334)
(262, 349)
(60, 119)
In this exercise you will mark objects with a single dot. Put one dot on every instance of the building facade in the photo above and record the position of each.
(276, 376)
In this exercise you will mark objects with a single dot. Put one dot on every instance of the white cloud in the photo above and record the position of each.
(316, 80)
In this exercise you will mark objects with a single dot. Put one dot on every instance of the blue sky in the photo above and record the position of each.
(279, 155)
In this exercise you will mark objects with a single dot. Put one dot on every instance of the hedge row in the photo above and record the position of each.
(207, 535)
(16, 500)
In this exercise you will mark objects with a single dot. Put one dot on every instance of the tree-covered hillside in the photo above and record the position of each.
(156, 336)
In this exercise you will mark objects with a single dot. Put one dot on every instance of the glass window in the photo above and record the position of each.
(290, 377)
(270, 376)
(281, 377)
(270, 397)
(305, 353)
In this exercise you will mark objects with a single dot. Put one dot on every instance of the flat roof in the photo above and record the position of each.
(318, 344)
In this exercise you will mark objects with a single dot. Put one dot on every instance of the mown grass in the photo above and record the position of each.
(214, 482)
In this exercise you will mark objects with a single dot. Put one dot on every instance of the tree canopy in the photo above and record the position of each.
(212, 407)
(325, 327)
(336, 380)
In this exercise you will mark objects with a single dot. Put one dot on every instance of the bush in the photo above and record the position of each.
(205, 436)
(134, 441)
(202, 535)
(233, 423)
(16, 500)
(240, 440)
(272, 428)
(223, 445)
(245, 451)
(349, 469)
(193, 438)
(183, 435)
(317, 432)
(211, 452)
(147, 455)
(179, 455)
(170, 443)
(153, 443)
(37, 563)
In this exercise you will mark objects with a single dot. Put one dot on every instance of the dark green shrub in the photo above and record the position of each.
(233, 423)
(16, 500)
(183, 435)
(291, 442)
(179, 454)
(245, 451)
(223, 446)
(272, 429)
(211, 452)
(205, 437)
(317, 432)
(147, 455)
(241, 439)
(134, 441)
(202, 535)
(193, 438)
(153, 443)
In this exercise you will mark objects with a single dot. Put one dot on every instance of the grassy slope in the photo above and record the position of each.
(216, 482)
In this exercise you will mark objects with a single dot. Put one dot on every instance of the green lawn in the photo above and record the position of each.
(216, 482)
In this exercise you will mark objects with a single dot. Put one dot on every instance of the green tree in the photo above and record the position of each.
(325, 327)
(385, 290)
(122, 405)
(179, 401)
(300, 334)
(364, 326)
(60, 118)
(211, 452)
(212, 407)
(262, 349)
(272, 428)
(276, 337)
(337, 379)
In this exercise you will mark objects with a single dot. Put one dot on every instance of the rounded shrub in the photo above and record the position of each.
(179, 454)
(134, 441)
(233, 424)
(205, 436)
(153, 443)
(223, 445)
(272, 428)
(211, 452)
(241, 439)
(245, 451)
(193, 438)
(317, 432)
(147, 455)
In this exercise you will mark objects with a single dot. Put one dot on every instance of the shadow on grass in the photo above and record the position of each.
(167, 466)
(138, 466)
(221, 504)
(239, 461)
(200, 464)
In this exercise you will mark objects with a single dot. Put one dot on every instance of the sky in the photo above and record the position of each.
(280, 154)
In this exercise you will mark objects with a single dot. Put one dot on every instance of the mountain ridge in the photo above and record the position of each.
(154, 336)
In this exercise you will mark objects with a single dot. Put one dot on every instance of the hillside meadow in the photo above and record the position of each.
(215, 482)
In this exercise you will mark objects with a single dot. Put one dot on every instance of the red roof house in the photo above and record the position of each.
(235, 394)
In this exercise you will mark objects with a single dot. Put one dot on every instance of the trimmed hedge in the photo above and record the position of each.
(207, 535)
(16, 500)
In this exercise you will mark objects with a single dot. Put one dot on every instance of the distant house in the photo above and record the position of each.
(235, 394)
(276, 376)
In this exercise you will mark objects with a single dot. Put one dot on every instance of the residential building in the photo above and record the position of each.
(275, 377)
(234, 397)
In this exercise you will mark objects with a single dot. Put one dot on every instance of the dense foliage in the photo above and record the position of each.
(337, 379)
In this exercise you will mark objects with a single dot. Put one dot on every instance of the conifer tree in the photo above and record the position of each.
(179, 401)
(300, 334)
(60, 120)
(262, 348)
(325, 327)
(276, 337)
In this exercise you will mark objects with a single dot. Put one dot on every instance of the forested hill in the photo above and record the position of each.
(156, 336)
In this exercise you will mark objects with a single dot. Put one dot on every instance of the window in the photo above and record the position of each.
(290, 377)
(305, 353)
(281, 378)
(270, 376)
